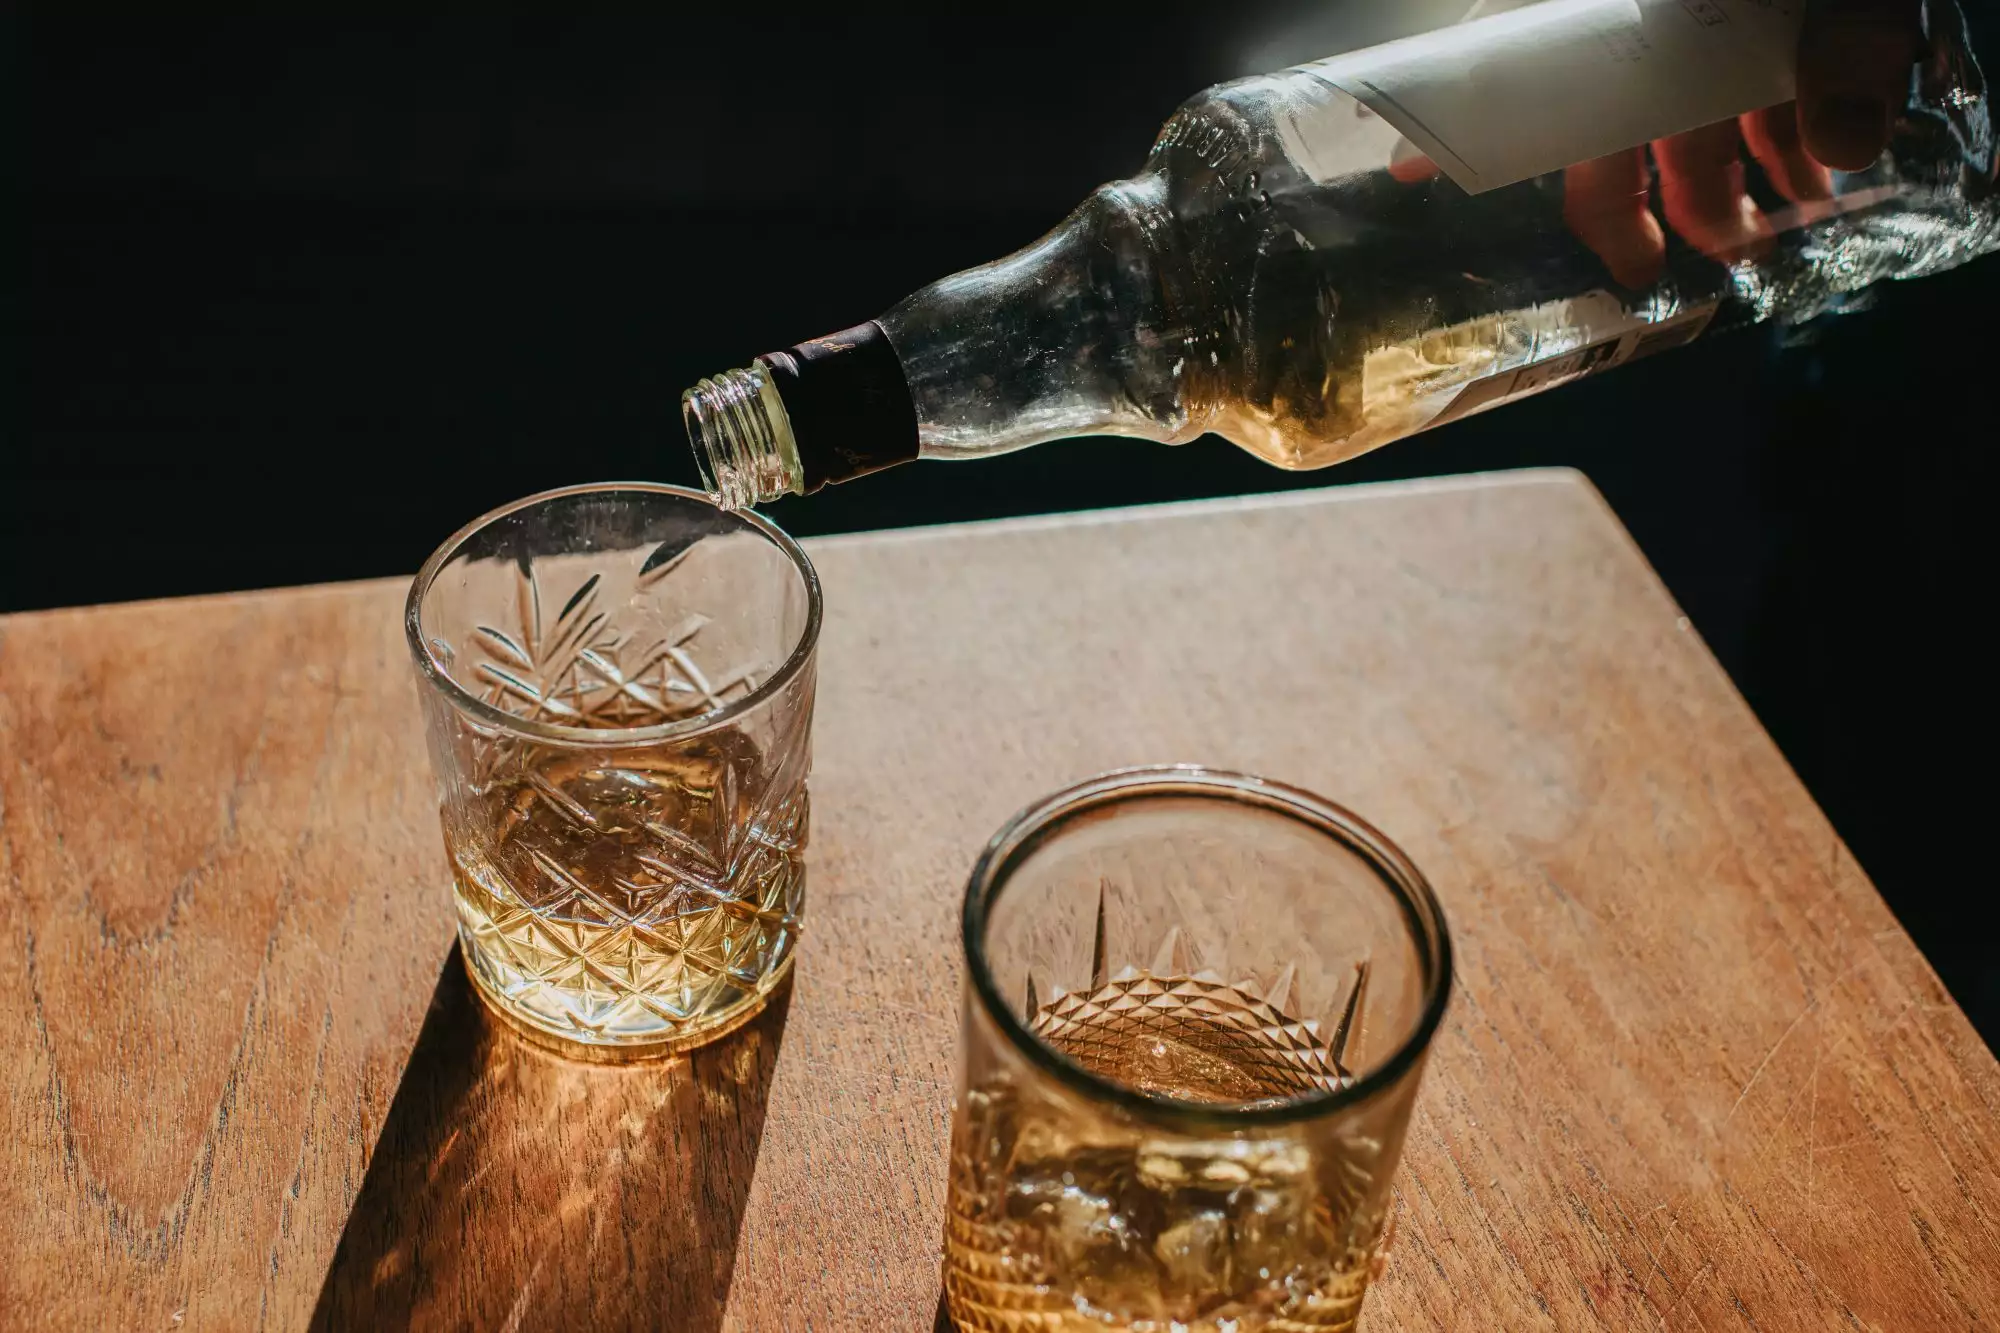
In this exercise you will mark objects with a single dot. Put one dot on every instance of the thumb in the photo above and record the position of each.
(1854, 75)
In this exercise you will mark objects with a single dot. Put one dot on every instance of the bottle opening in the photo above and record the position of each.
(742, 438)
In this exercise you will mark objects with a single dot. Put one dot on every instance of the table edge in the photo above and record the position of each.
(1303, 498)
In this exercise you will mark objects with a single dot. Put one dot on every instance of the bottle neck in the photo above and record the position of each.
(1075, 335)
(742, 438)
(1067, 337)
(793, 421)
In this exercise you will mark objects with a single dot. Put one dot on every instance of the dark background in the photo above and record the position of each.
(306, 292)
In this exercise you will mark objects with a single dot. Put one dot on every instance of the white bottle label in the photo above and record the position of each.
(1516, 94)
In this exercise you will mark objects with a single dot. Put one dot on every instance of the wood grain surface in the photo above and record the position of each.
(222, 910)
(1694, 1076)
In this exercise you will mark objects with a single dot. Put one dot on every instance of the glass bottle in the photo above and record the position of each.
(1291, 272)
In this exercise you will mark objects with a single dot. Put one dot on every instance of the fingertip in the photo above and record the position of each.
(1799, 176)
(1638, 271)
(1754, 234)
(1777, 140)
(1606, 206)
(1853, 74)
(1726, 230)
(1632, 246)
(1847, 131)
(1409, 170)
(1806, 181)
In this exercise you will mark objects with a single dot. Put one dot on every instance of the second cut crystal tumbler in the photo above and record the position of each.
(1197, 1010)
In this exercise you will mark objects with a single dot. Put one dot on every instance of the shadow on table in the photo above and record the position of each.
(514, 1188)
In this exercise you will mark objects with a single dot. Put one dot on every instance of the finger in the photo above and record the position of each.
(1854, 75)
(1774, 140)
(1605, 206)
(1702, 194)
(1407, 163)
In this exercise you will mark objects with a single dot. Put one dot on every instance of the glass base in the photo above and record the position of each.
(611, 1051)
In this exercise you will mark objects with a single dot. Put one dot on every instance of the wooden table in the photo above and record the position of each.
(1694, 1075)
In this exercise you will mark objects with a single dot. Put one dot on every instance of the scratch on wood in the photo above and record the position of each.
(1687, 1292)
(1765, 1063)
(520, 1306)
(1812, 1120)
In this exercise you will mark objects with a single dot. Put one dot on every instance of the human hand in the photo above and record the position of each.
(1853, 67)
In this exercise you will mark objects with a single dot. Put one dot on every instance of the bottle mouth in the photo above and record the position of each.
(742, 439)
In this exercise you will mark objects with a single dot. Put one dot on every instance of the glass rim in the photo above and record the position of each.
(1025, 831)
(467, 702)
